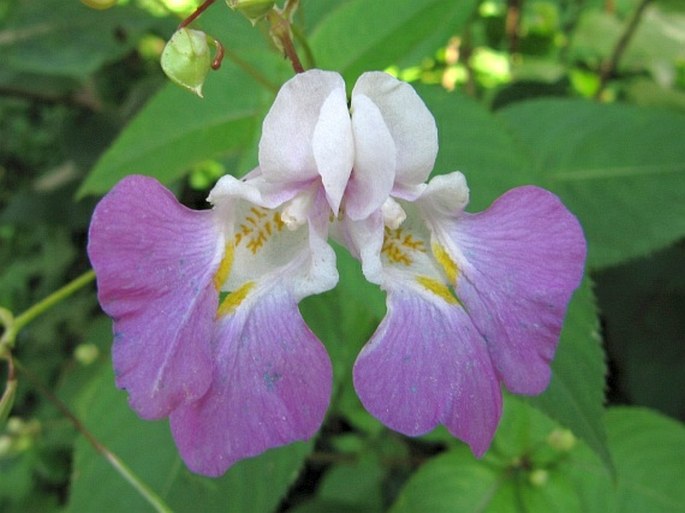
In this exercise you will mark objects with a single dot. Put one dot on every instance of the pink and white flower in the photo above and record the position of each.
(204, 303)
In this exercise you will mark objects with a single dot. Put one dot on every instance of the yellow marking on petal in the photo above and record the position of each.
(279, 222)
(224, 267)
(398, 245)
(259, 212)
(437, 288)
(444, 259)
(257, 228)
(233, 300)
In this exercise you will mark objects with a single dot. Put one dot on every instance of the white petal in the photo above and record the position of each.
(410, 123)
(445, 196)
(374, 160)
(333, 147)
(286, 149)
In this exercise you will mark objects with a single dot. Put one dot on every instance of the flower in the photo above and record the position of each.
(204, 303)
(474, 300)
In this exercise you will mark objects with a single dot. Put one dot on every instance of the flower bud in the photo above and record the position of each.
(99, 4)
(562, 440)
(538, 477)
(253, 10)
(186, 59)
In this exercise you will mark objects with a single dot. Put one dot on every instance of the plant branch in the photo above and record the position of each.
(280, 31)
(122, 469)
(196, 13)
(14, 327)
(610, 65)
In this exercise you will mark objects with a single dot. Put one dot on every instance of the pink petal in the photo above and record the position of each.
(155, 260)
(428, 365)
(520, 262)
(271, 387)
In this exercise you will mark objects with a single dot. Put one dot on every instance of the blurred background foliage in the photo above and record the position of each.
(584, 97)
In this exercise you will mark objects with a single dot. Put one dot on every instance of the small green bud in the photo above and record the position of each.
(562, 440)
(99, 4)
(186, 59)
(86, 354)
(253, 10)
(538, 477)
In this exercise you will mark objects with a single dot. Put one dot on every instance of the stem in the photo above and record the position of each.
(196, 13)
(609, 66)
(141, 487)
(308, 54)
(56, 297)
(513, 23)
(280, 30)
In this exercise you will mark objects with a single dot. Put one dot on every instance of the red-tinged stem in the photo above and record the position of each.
(201, 8)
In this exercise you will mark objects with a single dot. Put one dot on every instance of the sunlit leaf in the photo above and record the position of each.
(360, 35)
(176, 130)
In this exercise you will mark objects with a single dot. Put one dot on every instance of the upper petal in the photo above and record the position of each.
(408, 121)
(519, 263)
(375, 160)
(155, 261)
(307, 133)
(271, 387)
(428, 365)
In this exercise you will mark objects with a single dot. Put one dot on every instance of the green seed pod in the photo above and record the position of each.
(186, 59)
(253, 10)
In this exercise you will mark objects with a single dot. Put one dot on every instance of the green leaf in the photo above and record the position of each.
(53, 37)
(575, 396)
(175, 130)
(475, 142)
(361, 35)
(454, 481)
(648, 450)
(254, 485)
(620, 169)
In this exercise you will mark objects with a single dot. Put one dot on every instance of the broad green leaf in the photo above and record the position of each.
(360, 35)
(175, 130)
(53, 37)
(254, 485)
(648, 450)
(620, 169)
(454, 481)
(476, 142)
(575, 396)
